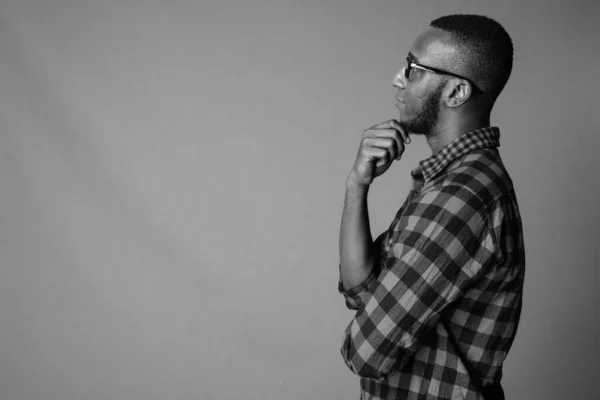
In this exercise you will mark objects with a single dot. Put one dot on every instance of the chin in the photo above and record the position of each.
(408, 127)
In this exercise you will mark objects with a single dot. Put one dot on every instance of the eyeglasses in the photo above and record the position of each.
(410, 64)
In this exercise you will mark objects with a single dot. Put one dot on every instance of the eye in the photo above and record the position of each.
(414, 72)
(411, 73)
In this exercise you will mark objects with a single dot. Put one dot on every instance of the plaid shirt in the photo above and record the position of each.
(439, 312)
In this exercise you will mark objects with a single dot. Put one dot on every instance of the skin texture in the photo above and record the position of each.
(459, 110)
(439, 107)
(423, 118)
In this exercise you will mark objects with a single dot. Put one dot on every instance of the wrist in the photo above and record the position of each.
(354, 185)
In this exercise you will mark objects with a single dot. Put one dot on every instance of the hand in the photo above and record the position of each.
(380, 146)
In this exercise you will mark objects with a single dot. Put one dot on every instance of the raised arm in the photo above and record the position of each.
(441, 245)
(379, 147)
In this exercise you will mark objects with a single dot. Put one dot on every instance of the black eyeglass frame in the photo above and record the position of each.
(410, 64)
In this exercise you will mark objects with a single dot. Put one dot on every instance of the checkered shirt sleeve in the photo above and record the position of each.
(443, 242)
(440, 311)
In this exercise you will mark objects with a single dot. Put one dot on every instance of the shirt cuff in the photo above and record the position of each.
(354, 296)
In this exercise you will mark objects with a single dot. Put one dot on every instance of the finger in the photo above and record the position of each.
(375, 153)
(388, 133)
(405, 136)
(393, 124)
(385, 124)
(386, 143)
(378, 155)
(399, 143)
(382, 162)
(381, 132)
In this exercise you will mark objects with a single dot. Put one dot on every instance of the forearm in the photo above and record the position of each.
(379, 147)
(356, 243)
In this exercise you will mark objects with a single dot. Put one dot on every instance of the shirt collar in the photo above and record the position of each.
(478, 139)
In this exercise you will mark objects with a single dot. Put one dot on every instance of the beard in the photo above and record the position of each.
(425, 120)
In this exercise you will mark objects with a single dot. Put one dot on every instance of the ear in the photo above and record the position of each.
(459, 91)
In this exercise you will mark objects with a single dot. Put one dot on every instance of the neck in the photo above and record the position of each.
(447, 131)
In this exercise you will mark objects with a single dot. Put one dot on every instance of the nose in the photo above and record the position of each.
(399, 81)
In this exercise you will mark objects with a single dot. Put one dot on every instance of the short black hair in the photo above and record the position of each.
(485, 49)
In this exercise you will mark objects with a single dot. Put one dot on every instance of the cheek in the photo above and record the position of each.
(413, 100)
(412, 105)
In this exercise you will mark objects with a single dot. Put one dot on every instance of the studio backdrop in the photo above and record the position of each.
(172, 178)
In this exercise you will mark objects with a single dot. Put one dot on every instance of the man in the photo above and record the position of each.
(438, 296)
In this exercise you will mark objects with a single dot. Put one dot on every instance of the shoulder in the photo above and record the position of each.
(469, 185)
(479, 175)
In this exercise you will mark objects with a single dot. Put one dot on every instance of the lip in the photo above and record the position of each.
(399, 101)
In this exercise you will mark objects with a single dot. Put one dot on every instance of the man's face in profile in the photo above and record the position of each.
(420, 93)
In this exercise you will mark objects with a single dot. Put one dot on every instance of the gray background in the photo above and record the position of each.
(172, 177)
